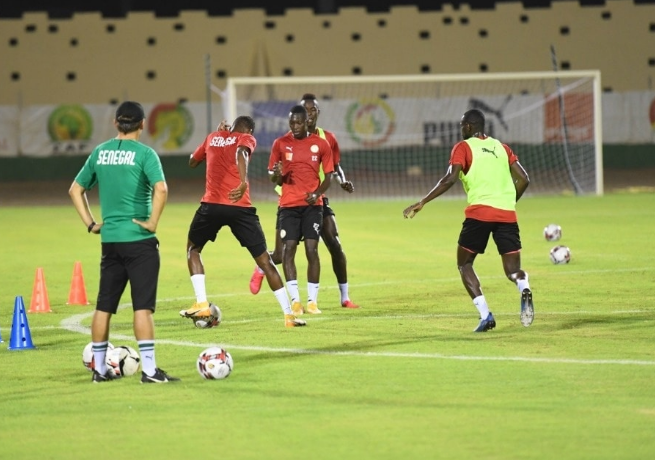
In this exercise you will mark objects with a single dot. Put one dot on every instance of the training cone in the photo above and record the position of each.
(40, 302)
(77, 295)
(21, 338)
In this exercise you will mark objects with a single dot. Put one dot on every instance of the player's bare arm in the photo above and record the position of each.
(242, 155)
(340, 177)
(276, 173)
(313, 196)
(444, 184)
(81, 203)
(520, 178)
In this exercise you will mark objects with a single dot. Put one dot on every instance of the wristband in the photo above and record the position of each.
(90, 227)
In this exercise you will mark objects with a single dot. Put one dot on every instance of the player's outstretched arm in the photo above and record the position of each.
(444, 184)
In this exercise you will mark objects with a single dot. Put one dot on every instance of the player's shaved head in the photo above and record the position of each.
(244, 124)
(475, 118)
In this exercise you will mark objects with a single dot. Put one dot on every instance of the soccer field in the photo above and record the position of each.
(404, 377)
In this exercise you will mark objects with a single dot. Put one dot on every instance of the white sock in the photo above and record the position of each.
(198, 282)
(283, 300)
(259, 270)
(99, 357)
(147, 352)
(312, 292)
(343, 288)
(481, 304)
(292, 287)
(523, 284)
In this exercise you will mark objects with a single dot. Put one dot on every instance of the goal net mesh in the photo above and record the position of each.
(396, 132)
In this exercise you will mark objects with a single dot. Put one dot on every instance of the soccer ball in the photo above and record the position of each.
(210, 321)
(123, 361)
(552, 232)
(87, 355)
(215, 363)
(560, 255)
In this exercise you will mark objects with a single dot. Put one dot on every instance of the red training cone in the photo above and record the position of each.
(40, 302)
(77, 295)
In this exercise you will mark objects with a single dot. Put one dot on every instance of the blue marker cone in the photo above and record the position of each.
(21, 338)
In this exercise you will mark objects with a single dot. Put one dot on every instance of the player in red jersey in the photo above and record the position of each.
(295, 163)
(494, 181)
(226, 202)
(329, 230)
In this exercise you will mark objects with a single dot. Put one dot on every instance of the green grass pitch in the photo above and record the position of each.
(403, 377)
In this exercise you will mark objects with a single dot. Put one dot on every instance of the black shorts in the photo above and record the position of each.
(475, 236)
(136, 262)
(243, 222)
(327, 210)
(300, 223)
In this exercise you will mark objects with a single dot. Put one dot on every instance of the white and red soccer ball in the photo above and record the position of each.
(560, 255)
(123, 361)
(552, 232)
(87, 355)
(214, 363)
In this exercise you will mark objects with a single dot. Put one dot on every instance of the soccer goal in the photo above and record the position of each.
(396, 132)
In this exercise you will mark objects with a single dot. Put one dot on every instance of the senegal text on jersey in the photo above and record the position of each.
(116, 157)
(220, 141)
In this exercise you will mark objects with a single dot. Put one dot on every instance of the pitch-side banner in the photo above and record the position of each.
(628, 118)
(76, 129)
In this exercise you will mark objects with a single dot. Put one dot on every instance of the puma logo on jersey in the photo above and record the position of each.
(493, 152)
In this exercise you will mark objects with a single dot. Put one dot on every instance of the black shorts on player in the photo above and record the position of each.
(475, 236)
(301, 223)
(327, 210)
(136, 261)
(243, 222)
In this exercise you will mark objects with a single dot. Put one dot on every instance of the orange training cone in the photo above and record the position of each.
(40, 302)
(77, 295)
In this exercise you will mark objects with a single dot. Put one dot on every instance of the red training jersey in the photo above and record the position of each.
(301, 160)
(220, 151)
(461, 154)
(334, 145)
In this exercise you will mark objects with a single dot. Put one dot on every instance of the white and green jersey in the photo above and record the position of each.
(125, 172)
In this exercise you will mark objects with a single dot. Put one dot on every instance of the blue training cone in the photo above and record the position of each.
(21, 339)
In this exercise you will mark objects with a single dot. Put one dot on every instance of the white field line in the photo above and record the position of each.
(73, 324)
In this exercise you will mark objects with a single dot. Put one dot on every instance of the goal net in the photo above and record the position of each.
(396, 132)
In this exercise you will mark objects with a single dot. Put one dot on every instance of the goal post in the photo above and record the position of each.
(396, 131)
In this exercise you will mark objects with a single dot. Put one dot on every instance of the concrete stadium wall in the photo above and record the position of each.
(92, 59)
